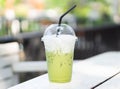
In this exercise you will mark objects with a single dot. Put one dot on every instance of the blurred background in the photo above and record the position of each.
(96, 23)
(29, 15)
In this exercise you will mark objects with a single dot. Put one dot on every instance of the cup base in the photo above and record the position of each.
(60, 81)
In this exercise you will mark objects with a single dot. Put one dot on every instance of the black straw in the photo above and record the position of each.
(105, 80)
(60, 20)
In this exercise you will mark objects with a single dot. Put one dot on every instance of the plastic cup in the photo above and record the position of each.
(59, 44)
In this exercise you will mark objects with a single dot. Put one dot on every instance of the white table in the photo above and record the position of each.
(86, 74)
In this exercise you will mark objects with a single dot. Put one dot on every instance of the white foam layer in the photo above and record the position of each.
(64, 43)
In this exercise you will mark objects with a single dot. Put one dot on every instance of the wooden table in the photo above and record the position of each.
(86, 74)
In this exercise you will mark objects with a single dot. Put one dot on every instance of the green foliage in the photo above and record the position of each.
(17, 2)
(105, 2)
(2, 3)
(56, 3)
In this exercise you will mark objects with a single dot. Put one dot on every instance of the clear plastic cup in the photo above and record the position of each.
(59, 44)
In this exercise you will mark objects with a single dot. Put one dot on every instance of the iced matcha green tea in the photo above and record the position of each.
(59, 66)
(59, 52)
(59, 40)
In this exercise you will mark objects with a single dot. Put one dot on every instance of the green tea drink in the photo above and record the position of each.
(59, 40)
(59, 66)
(59, 53)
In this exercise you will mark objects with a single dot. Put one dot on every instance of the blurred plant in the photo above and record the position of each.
(100, 10)
(93, 11)
(17, 2)
(2, 3)
(56, 3)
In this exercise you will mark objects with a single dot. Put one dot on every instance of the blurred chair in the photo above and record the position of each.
(11, 65)
(9, 54)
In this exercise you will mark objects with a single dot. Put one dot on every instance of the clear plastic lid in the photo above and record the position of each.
(63, 29)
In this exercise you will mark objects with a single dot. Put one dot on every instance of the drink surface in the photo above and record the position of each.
(65, 43)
